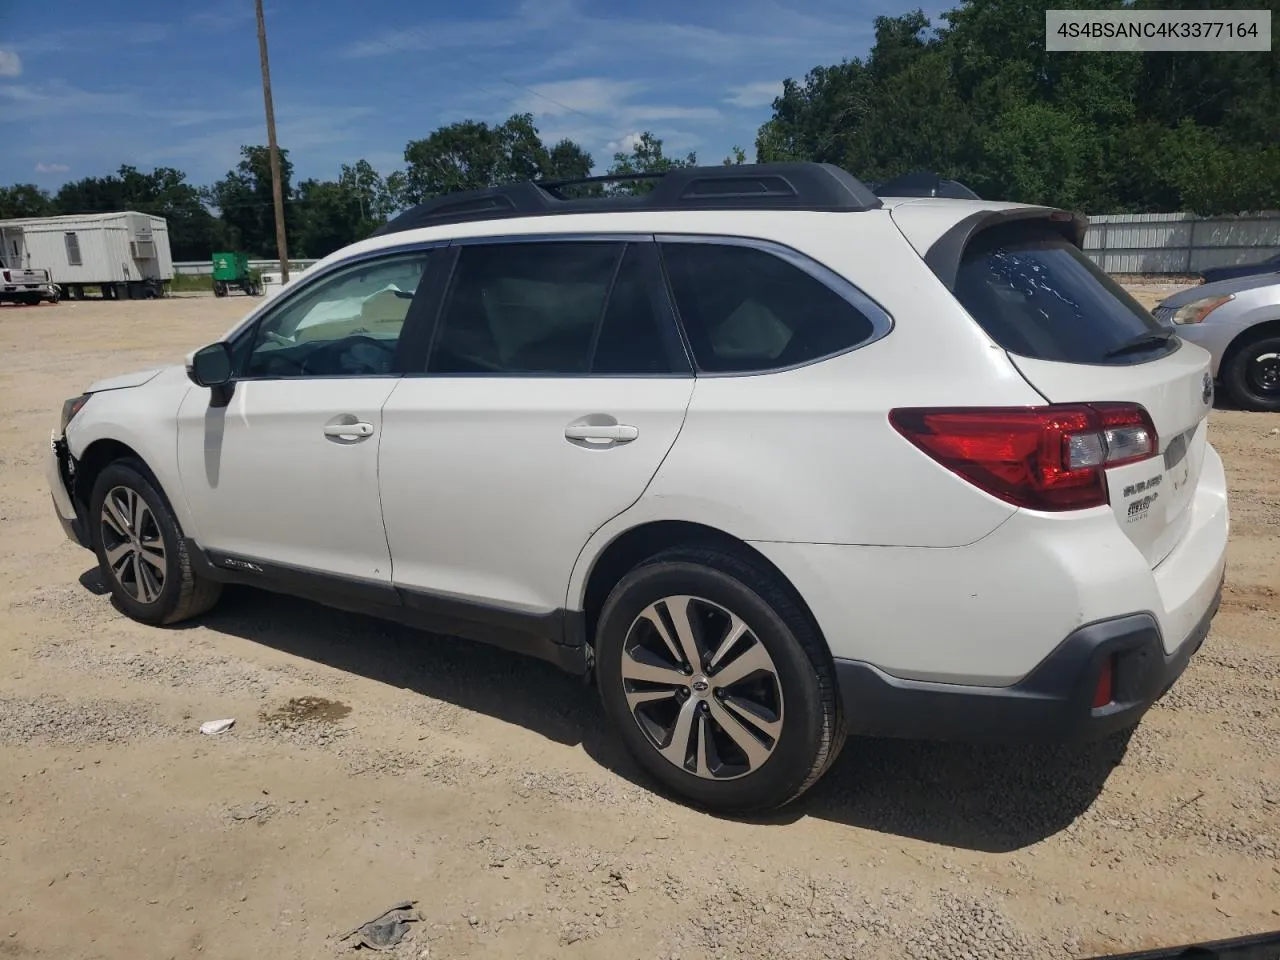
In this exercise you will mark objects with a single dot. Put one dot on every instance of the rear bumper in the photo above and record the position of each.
(1052, 703)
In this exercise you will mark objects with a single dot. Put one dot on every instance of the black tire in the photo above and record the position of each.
(182, 594)
(1240, 375)
(812, 730)
(219, 288)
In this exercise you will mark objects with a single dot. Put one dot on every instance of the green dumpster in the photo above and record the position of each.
(231, 271)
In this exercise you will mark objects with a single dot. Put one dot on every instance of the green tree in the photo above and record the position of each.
(244, 201)
(646, 156)
(370, 191)
(978, 98)
(471, 155)
(737, 156)
(24, 200)
(329, 214)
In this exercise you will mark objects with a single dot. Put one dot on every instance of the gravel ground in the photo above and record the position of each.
(370, 764)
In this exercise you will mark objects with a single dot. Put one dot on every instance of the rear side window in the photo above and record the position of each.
(1037, 295)
(746, 309)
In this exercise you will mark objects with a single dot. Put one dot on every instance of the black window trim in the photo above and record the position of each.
(413, 319)
(416, 366)
(882, 322)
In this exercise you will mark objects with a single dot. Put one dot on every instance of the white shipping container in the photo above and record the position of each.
(92, 249)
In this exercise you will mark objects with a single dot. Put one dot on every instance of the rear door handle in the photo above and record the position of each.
(615, 433)
(349, 432)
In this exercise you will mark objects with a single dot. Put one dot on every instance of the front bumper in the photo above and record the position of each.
(58, 469)
(1052, 703)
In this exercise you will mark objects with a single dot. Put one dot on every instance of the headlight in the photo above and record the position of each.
(1197, 310)
(70, 408)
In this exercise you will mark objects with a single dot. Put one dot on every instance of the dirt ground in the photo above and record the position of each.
(370, 764)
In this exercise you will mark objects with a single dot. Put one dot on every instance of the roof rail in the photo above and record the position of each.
(763, 186)
(924, 184)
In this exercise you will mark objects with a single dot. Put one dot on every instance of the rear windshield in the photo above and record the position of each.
(1037, 295)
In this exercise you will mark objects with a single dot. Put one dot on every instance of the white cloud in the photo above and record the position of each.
(10, 64)
(760, 94)
(588, 95)
(624, 144)
(642, 113)
(36, 102)
(42, 167)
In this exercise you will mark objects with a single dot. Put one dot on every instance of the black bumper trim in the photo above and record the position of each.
(1052, 703)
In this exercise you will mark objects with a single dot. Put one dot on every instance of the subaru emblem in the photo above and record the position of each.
(1206, 389)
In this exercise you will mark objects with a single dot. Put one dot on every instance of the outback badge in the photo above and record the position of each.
(1206, 389)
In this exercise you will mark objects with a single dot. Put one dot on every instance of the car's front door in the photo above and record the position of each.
(555, 386)
(282, 480)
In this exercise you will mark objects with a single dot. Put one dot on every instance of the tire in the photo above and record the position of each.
(181, 593)
(794, 685)
(219, 288)
(1252, 380)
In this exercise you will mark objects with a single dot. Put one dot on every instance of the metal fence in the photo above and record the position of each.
(1179, 243)
(1150, 243)
(205, 267)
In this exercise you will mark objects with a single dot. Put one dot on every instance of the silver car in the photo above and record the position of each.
(1238, 321)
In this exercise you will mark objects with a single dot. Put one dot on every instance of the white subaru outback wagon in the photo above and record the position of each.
(776, 458)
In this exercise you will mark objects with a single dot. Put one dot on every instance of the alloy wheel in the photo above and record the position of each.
(133, 544)
(702, 687)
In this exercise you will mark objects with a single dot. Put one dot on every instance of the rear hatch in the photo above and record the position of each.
(1078, 337)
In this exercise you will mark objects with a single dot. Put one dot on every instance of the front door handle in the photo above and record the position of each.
(603, 433)
(348, 432)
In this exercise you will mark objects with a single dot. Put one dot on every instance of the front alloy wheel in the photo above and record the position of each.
(133, 544)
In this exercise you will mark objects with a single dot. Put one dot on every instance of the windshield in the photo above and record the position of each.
(1037, 295)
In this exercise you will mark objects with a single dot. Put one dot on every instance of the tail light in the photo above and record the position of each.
(7, 276)
(1042, 458)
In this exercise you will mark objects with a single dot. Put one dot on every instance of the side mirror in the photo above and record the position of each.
(211, 366)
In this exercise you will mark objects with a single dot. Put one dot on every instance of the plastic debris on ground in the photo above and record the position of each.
(386, 930)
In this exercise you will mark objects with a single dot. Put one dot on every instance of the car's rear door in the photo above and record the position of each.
(282, 480)
(555, 385)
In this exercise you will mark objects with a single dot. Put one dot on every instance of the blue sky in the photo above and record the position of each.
(88, 86)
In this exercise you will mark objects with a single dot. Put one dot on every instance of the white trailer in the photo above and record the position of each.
(125, 255)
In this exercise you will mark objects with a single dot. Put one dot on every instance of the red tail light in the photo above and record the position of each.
(1043, 458)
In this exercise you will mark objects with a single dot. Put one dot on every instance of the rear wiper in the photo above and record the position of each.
(1143, 341)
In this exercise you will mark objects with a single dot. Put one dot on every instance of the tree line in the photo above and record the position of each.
(975, 97)
(237, 213)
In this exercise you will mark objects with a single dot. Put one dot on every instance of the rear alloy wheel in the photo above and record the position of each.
(1252, 374)
(702, 688)
(719, 686)
(140, 548)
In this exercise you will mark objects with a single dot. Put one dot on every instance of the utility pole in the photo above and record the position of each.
(277, 188)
